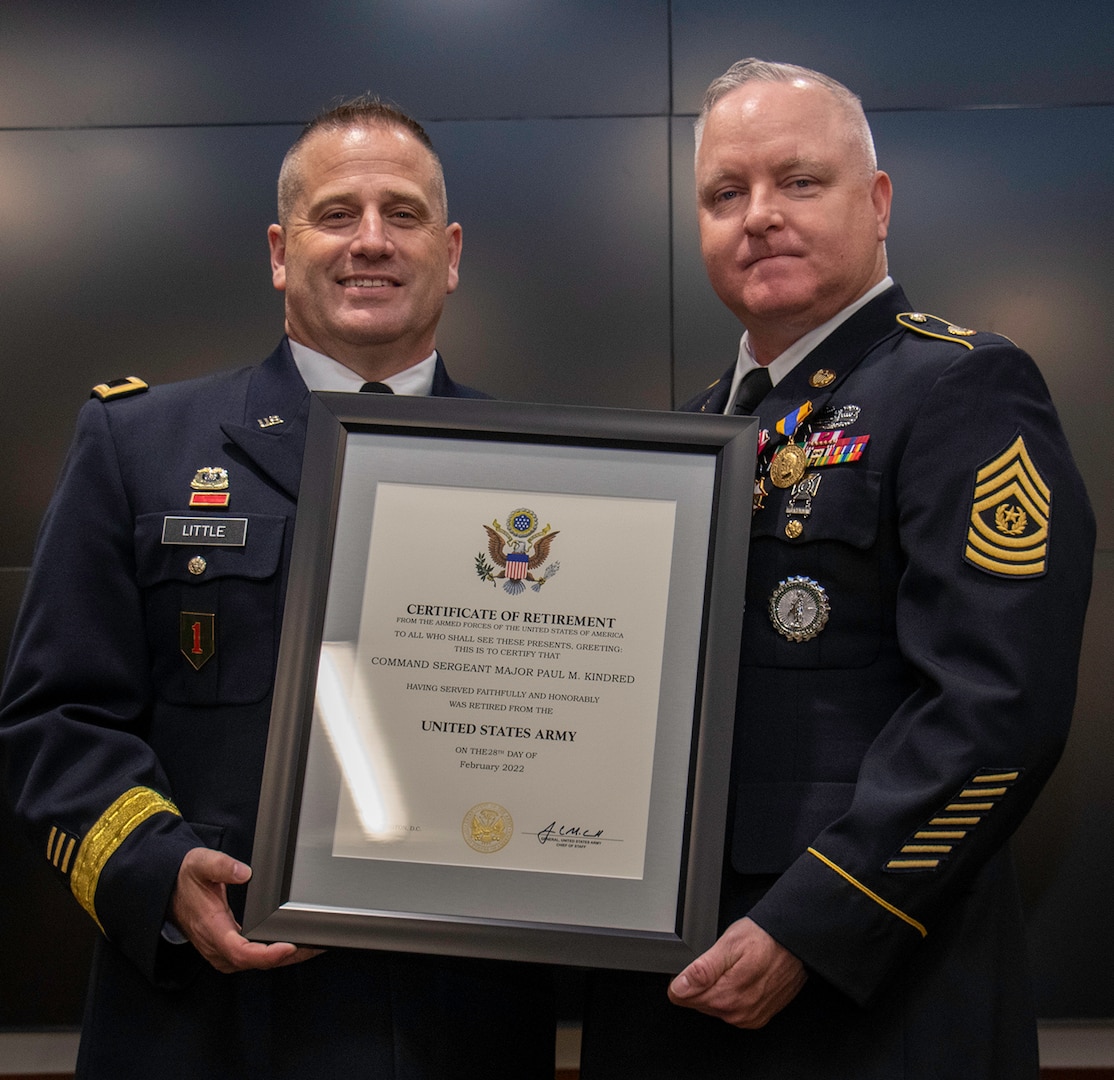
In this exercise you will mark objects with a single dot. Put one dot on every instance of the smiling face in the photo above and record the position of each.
(365, 256)
(792, 217)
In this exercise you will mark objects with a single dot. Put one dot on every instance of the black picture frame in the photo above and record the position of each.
(709, 461)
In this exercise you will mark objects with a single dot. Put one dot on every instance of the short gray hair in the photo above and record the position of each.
(754, 70)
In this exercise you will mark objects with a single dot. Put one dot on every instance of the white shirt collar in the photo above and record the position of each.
(321, 372)
(781, 365)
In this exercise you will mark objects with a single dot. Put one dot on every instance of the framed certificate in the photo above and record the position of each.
(505, 697)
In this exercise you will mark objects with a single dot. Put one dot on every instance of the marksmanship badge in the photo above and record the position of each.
(518, 548)
(487, 827)
(1010, 516)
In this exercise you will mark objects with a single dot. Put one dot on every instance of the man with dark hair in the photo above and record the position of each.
(138, 695)
(918, 574)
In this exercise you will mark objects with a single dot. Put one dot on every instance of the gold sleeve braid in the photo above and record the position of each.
(101, 842)
(870, 893)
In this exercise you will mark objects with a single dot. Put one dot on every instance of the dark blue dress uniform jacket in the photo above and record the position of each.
(881, 764)
(120, 756)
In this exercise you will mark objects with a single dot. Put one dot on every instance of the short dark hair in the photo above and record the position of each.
(363, 111)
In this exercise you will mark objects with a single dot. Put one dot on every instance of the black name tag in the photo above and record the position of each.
(222, 532)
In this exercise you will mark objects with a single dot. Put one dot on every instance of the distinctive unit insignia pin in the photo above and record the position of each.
(799, 608)
(933, 326)
(823, 377)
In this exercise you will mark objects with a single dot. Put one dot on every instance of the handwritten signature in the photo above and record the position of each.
(553, 831)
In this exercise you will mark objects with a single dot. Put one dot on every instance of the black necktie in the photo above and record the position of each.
(755, 386)
(375, 388)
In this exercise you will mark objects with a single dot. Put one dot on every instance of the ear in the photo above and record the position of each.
(276, 239)
(454, 238)
(881, 195)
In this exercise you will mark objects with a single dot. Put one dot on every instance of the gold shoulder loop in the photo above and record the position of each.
(934, 327)
(118, 388)
(101, 842)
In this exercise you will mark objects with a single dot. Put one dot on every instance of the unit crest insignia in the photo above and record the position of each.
(518, 548)
(1010, 512)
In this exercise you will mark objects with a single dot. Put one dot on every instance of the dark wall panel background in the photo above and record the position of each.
(139, 144)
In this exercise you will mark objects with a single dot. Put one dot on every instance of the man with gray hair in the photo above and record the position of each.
(136, 707)
(918, 574)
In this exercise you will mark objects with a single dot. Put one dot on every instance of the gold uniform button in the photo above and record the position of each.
(197, 565)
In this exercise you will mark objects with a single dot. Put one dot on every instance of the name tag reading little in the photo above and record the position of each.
(228, 532)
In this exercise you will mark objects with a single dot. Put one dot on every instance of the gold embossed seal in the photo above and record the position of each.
(487, 827)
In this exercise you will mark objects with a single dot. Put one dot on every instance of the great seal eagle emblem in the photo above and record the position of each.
(518, 549)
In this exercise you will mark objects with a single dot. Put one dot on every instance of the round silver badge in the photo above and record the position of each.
(799, 608)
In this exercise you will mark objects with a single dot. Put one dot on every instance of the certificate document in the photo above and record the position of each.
(498, 703)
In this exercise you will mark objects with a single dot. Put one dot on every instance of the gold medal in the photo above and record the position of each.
(788, 465)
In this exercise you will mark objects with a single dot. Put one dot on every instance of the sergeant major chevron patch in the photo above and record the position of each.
(1010, 512)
